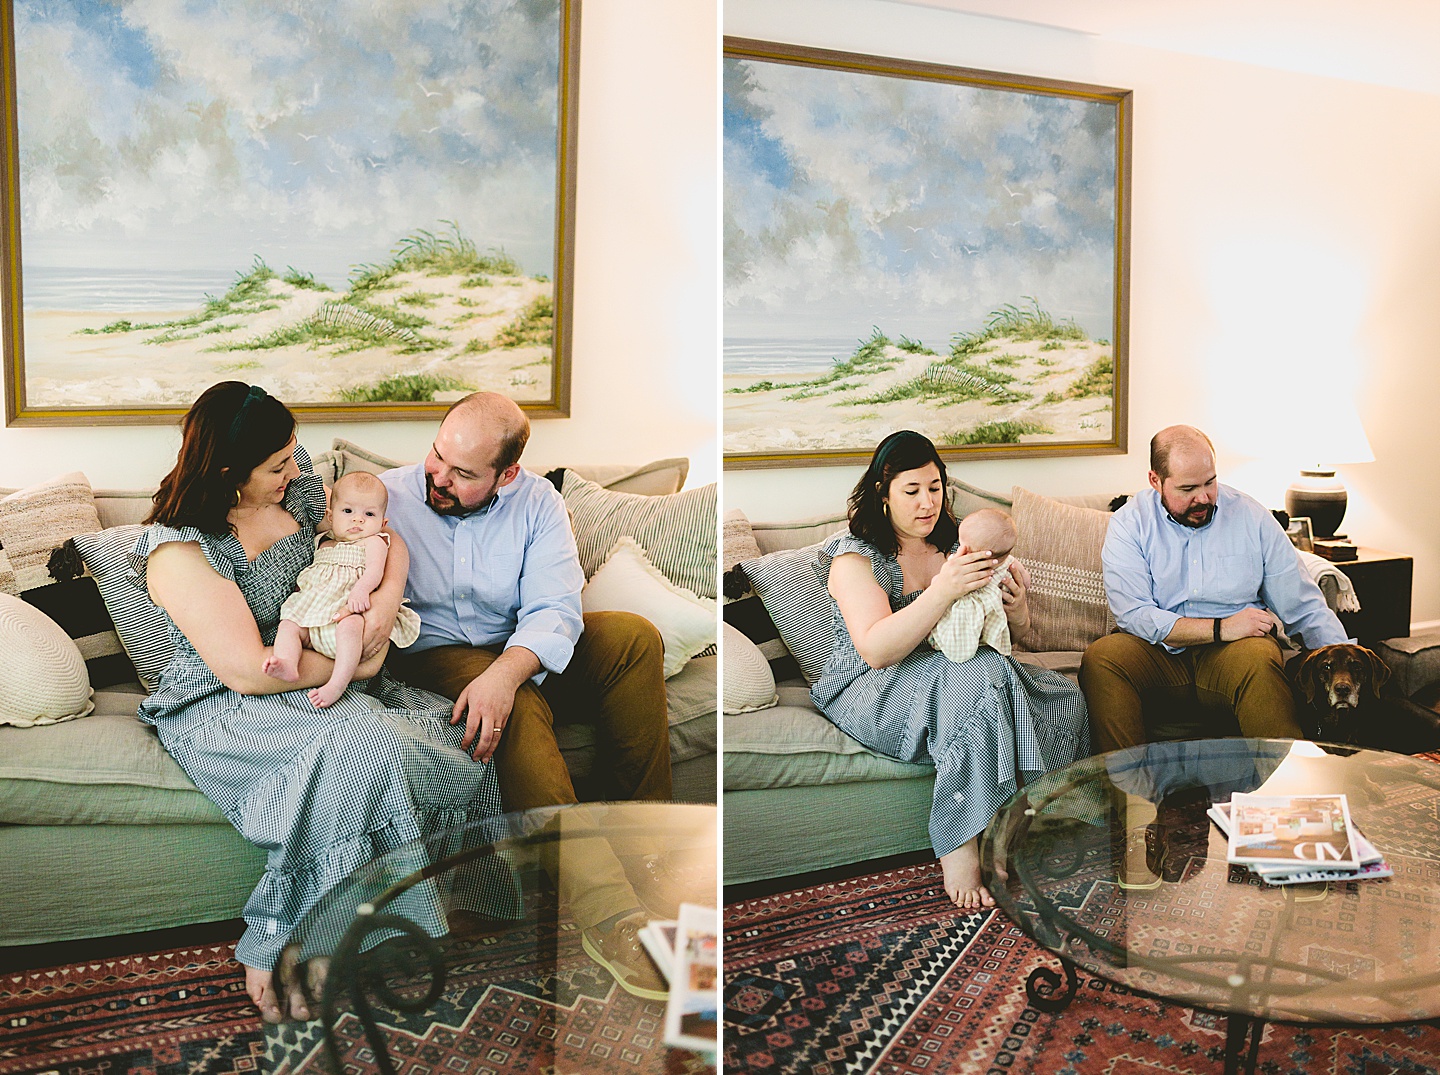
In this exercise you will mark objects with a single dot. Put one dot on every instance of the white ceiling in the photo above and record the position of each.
(1385, 42)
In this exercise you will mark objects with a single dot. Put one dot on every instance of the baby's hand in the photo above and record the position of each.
(359, 601)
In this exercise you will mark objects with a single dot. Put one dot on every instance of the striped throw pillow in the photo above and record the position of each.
(678, 530)
(795, 602)
(142, 627)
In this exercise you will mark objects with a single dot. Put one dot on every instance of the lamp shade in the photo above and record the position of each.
(1325, 435)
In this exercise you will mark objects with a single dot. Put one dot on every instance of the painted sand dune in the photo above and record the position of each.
(438, 320)
(1025, 378)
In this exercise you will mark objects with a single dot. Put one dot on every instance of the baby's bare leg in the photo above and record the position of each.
(284, 659)
(349, 640)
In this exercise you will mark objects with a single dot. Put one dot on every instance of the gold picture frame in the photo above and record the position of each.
(420, 200)
(914, 245)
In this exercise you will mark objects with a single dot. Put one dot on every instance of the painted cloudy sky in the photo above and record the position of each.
(855, 200)
(198, 133)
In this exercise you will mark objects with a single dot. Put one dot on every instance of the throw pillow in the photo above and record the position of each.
(34, 524)
(796, 604)
(749, 684)
(629, 582)
(143, 629)
(965, 498)
(676, 531)
(737, 540)
(1060, 544)
(42, 678)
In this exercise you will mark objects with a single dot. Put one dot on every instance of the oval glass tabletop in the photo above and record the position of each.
(1113, 863)
(502, 945)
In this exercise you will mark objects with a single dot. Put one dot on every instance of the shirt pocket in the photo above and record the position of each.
(1233, 580)
(497, 581)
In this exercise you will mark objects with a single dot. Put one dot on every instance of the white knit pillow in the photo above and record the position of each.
(629, 582)
(749, 683)
(42, 674)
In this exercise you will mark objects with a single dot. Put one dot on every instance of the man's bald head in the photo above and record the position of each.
(496, 417)
(1185, 440)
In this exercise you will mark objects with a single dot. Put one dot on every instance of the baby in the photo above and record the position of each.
(979, 616)
(350, 554)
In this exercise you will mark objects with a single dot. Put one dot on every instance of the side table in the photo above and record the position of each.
(1382, 581)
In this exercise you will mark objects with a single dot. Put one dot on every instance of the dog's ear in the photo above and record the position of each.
(1306, 676)
(1379, 670)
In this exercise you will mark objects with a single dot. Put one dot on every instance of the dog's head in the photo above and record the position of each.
(1341, 677)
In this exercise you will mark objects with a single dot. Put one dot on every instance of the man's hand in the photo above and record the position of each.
(1248, 623)
(485, 707)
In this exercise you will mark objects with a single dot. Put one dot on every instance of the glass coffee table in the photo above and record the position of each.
(456, 953)
(1112, 864)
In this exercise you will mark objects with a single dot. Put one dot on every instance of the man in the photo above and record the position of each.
(1199, 577)
(496, 580)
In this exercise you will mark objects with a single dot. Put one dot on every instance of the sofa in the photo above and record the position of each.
(800, 795)
(101, 833)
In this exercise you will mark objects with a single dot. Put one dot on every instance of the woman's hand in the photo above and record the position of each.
(963, 572)
(1015, 596)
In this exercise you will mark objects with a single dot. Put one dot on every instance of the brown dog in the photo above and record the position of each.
(1337, 682)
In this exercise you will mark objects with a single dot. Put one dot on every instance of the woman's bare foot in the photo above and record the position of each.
(302, 983)
(260, 984)
(961, 868)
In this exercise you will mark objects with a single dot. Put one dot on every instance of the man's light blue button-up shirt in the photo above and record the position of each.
(506, 575)
(1157, 571)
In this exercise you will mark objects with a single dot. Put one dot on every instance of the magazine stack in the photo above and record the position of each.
(1297, 839)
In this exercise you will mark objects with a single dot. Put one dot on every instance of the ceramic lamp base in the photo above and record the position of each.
(1320, 495)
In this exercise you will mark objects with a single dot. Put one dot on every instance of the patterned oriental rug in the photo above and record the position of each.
(185, 1012)
(881, 974)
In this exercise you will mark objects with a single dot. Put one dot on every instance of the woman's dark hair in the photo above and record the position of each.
(228, 432)
(897, 453)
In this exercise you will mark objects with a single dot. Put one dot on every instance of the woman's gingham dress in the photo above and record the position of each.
(323, 791)
(977, 722)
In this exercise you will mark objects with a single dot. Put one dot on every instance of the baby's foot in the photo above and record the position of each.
(961, 868)
(278, 667)
(328, 695)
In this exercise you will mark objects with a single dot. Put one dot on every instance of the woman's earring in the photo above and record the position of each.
(885, 508)
(237, 498)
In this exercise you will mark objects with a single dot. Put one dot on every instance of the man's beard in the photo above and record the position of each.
(1193, 521)
(441, 502)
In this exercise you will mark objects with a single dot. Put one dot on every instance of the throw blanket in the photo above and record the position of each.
(1321, 568)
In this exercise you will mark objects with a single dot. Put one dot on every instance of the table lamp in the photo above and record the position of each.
(1327, 435)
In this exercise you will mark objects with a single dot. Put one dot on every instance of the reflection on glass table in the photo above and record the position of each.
(458, 952)
(1113, 864)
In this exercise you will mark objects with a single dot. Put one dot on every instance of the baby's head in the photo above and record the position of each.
(988, 528)
(357, 507)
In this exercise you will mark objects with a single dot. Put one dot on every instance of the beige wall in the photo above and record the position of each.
(645, 275)
(1284, 227)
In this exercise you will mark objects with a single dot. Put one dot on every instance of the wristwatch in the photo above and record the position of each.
(1217, 628)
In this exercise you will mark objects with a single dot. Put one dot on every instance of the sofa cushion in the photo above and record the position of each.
(689, 709)
(42, 674)
(677, 531)
(629, 582)
(792, 744)
(737, 539)
(749, 681)
(143, 628)
(108, 769)
(1060, 544)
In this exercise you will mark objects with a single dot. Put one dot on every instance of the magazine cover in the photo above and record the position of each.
(690, 1013)
(1292, 830)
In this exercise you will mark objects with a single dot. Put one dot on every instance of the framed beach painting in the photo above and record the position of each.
(368, 209)
(909, 245)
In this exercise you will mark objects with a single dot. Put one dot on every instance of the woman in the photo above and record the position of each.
(891, 578)
(322, 790)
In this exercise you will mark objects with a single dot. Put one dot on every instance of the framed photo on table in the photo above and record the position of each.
(911, 245)
(368, 210)
(1300, 533)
